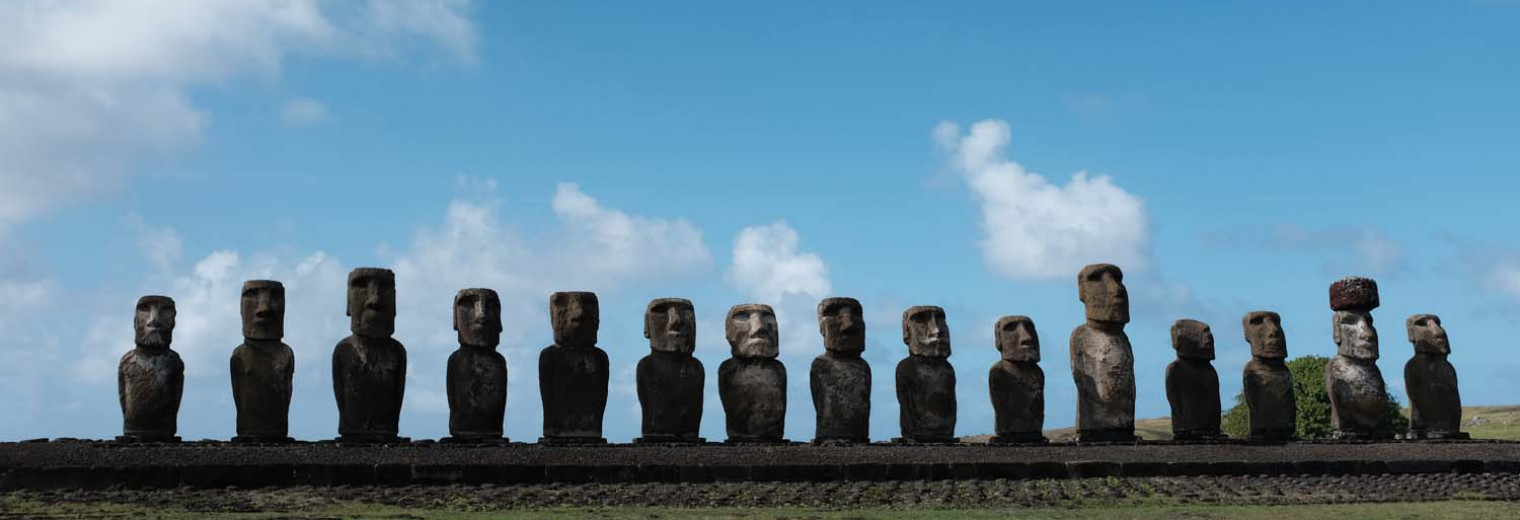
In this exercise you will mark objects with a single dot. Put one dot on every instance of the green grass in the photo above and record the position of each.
(1443, 510)
(1482, 422)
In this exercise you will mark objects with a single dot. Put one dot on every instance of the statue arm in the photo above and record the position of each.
(337, 376)
(121, 382)
(177, 384)
(448, 381)
(399, 380)
(235, 366)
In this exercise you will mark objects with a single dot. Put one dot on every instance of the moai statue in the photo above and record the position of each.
(151, 378)
(263, 367)
(1017, 384)
(840, 380)
(369, 367)
(1192, 385)
(670, 380)
(752, 383)
(477, 373)
(1435, 407)
(1101, 361)
(573, 372)
(1268, 385)
(1357, 394)
(925, 379)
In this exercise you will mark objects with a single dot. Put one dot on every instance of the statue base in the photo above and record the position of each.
(262, 439)
(841, 441)
(1031, 438)
(742, 441)
(1439, 436)
(476, 440)
(371, 439)
(1198, 436)
(1272, 436)
(1107, 436)
(572, 441)
(661, 439)
(1347, 435)
(148, 439)
(925, 440)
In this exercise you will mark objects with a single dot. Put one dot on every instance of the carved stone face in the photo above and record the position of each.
(477, 317)
(1193, 340)
(1016, 339)
(925, 333)
(671, 325)
(263, 308)
(1101, 288)
(154, 322)
(842, 324)
(1355, 335)
(575, 317)
(1265, 334)
(372, 302)
(751, 331)
(1427, 335)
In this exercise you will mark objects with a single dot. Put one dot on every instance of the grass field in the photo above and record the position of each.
(1482, 422)
(1433, 510)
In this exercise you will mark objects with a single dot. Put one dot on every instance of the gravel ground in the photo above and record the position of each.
(832, 495)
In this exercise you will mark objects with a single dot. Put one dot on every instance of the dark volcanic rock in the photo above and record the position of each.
(839, 379)
(573, 372)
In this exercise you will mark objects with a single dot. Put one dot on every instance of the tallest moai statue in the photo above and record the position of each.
(573, 372)
(1355, 385)
(1101, 361)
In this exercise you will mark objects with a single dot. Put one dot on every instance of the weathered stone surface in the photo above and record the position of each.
(477, 373)
(1354, 293)
(1192, 385)
(369, 367)
(1268, 384)
(262, 367)
(925, 379)
(151, 378)
(573, 372)
(1017, 383)
(1102, 363)
(1356, 388)
(1435, 406)
(840, 380)
(752, 383)
(670, 380)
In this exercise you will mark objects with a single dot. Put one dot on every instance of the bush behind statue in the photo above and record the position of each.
(1313, 404)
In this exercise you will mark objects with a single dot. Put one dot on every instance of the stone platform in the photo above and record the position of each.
(88, 464)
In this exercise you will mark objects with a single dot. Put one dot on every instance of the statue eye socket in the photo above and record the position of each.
(741, 315)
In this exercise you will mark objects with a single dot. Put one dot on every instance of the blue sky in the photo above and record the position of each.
(1234, 157)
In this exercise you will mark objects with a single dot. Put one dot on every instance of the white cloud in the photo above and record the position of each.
(161, 245)
(1351, 250)
(1036, 230)
(606, 243)
(88, 87)
(304, 111)
(767, 264)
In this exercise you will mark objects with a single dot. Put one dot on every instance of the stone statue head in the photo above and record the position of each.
(1016, 339)
(154, 322)
(1427, 335)
(1355, 336)
(925, 333)
(842, 324)
(1101, 289)
(263, 307)
(671, 325)
(1264, 333)
(575, 317)
(751, 330)
(477, 317)
(372, 302)
(1193, 340)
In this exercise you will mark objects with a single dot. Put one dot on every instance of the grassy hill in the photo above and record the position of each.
(1482, 422)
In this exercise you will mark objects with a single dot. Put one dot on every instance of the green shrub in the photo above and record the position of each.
(1312, 401)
